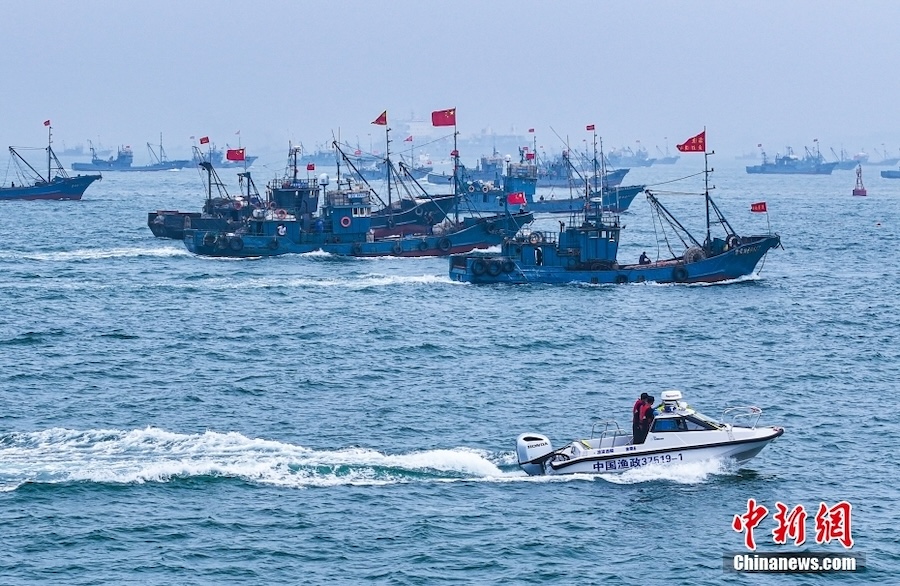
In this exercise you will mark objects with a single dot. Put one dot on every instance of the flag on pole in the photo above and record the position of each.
(310, 166)
(46, 123)
(234, 154)
(238, 133)
(454, 153)
(444, 117)
(531, 130)
(204, 140)
(408, 138)
(381, 120)
(529, 156)
(516, 198)
(759, 145)
(759, 206)
(695, 144)
(589, 127)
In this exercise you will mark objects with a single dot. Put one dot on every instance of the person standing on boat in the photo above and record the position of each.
(636, 417)
(645, 419)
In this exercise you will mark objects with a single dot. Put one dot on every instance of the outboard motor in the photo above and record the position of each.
(531, 447)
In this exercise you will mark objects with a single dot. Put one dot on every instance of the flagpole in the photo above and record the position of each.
(49, 142)
(387, 160)
(455, 172)
(706, 186)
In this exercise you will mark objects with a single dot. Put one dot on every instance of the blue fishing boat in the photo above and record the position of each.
(892, 174)
(561, 172)
(216, 157)
(488, 168)
(344, 227)
(586, 251)
(791, 164)
(845, 162)
(627, 157)
(125, 157)
(33, 185)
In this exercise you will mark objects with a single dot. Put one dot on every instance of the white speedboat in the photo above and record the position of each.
(678, 434)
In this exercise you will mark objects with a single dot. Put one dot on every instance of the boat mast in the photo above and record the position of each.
(49, 155)
(455, 155)
(706, 172)
(387, 160)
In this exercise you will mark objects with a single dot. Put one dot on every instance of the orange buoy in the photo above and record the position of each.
(859, 189)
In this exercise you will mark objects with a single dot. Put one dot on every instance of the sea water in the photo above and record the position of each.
(311, 419)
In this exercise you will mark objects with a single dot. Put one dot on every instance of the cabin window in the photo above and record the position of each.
(669, 424)
(693, 424)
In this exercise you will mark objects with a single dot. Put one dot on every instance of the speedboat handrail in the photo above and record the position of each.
(750, 413)
(610, 427)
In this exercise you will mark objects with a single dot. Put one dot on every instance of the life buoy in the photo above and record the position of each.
(679, 274)
(273, 244)
(209, 239)
(508, 266)
(423, 245)
(345, 221)
(494, 267)
(357, 248)
(485, 189)
(237, 204)
(536, 238)
(236, 243)
(489, 226)
(396, 249)
(280, 214)
(621, 279)
(444, 244)
(478, 266)
(733, 241)
(419, 211)
(471, 189)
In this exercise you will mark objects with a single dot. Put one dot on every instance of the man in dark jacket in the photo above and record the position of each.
(636, 418)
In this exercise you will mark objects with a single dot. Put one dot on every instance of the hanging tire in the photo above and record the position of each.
(357, 249)
(536, 238)
(489, 226)
(209, 239)
(508, 266)
(444, 244)
(733, 241)
(679, 275)
(273, 244)
(621, 279)
(423, 246)
(396, 249)
(479, 267)
(494, 267)
(236, 244)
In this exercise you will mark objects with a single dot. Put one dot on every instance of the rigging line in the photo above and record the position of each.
(674, 180)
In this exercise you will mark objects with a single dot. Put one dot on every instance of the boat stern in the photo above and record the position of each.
(531, 451)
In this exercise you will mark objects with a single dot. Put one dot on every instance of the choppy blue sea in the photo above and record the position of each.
(170, 419)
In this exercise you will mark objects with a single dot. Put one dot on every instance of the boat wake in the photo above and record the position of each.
(61, 456)
(97, 254)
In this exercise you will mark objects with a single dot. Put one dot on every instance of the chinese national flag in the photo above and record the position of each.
(408, 138)
(759, 206)
(696, 144)
(529, 156)
(589, 127)
(234, 154)
(454, 153)
(204, 140)
(46, 123)
(310, 166)
(381, 120)
(444, 117)
(516, 198)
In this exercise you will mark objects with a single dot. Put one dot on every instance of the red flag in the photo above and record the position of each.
(357, 152)
(759, 206)
(46, 123)
(204, 140)
(529, 156)
(310, 166)
(531, 130)
(234, 154)
(589, 127)
(454, 153)
(695, 144)
(408, 138)
(516, 198)
(381, 120)
(444, 117)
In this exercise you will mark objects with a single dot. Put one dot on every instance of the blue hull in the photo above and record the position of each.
(69, 188)
(772, 169)
(167, 166)
(891, 174)
(476, 234)
(612, 179)
(522, 269)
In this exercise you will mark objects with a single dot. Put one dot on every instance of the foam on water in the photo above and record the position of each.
(96, 254)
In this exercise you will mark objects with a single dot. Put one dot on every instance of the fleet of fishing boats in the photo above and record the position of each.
(492, 205)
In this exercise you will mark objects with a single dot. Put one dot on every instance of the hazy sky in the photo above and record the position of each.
(775, 72)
